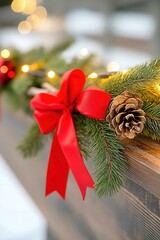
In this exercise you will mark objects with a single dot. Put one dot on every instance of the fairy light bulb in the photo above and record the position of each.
(25, 68)
(24, 27)
(84, 52)
(93, 75)
(51, 74)
(18, 5)
(159, 87)
(4, 69)
(5, 53)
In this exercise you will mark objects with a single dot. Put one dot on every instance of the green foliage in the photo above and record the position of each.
(133, 79)
(106, 152)
(152, 109)
(96, 140)
(32, 143)
(82, 134)
(152, 128)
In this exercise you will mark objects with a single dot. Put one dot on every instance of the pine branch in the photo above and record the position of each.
(141, 75)
(32, 143)
(152, 109)
(81, 133)
(152, 128)
(106, 152)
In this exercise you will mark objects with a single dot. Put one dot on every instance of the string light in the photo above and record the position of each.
(24, 6)
(38, 17)
(93, 75)
(25, 68)
(51, 74)
(34, 20)
(30, 6)
(112, 66)
(84, 52)
(5, 53)
(41, 12)
(18, 5)
(24, 27)
(11, 74)
(4, 69)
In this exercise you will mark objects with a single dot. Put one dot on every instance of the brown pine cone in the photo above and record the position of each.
(126, 116)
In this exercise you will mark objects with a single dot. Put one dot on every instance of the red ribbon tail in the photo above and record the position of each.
(69, 145)
(57, 172)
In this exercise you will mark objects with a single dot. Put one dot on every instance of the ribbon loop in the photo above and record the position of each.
(53, 112)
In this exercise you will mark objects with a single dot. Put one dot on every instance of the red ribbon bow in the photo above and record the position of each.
(53, 111)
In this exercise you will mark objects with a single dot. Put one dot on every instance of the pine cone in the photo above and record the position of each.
(126, 116)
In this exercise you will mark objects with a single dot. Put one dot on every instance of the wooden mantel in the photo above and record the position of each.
(133, 214)
(144, 163)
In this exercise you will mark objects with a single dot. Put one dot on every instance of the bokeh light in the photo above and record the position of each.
(4, 69)
(93, 75)
(84, 52)
(112, 66)
(30, 6)
(5, 53)
(25, 68)
(51, 74)
(18, 5)
(41, 12)
(24, 27)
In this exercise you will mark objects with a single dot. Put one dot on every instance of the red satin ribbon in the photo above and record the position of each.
(53, 112)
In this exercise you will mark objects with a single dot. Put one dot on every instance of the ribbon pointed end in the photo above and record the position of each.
(61, 192)
(83, 191)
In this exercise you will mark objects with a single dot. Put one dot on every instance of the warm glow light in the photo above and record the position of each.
(24, 27)
(84, 52)
(41, 12)
(112, 66)
(34, 20)
(11, 74)
(37, 18)
(18, 5)
(93, 75)
(30, 6)
(5, 53)
(51, 74)
(159, 86)
(4, 69)
(124, 71)
(25, 68)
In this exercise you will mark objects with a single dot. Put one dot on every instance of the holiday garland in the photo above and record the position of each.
(90, 122)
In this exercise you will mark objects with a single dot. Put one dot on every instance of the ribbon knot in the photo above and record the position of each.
(53, 113)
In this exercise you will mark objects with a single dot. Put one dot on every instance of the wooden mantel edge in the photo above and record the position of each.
(143, 158)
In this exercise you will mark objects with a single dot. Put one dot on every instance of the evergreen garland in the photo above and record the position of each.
(106, 153)
(96, 140)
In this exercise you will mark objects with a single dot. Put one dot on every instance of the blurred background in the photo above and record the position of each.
(122, 34)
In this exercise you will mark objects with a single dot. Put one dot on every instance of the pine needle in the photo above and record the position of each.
(152, 128)
(106, 152)
(32, 143)
(81, 133)
(141, 74)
